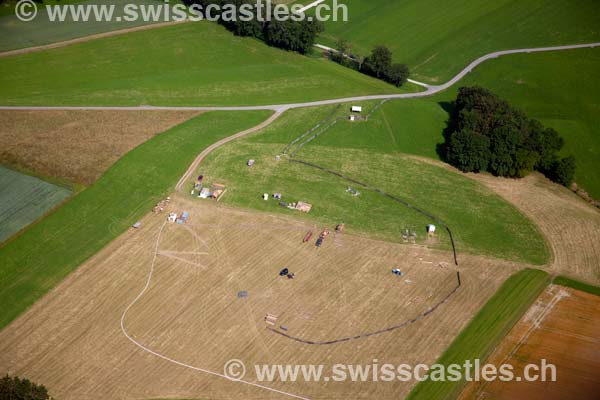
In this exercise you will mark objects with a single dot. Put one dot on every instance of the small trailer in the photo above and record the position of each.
(356, 109)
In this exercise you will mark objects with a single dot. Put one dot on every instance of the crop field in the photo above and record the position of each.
(571, 226)
(23, 199)
(78, 145)
(485, 330)
(47, 252)
(187, 64)
(190, 312)
(562, 328)
(438, 38)
(15, 34)
(481, 221)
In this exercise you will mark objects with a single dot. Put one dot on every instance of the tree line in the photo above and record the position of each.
(15, 388)
(486, 134)
(290, 34)
(378, 64)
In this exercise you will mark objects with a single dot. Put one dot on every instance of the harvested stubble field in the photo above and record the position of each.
(191, 313)
(78, 145)
(570, 225)
(561, 327)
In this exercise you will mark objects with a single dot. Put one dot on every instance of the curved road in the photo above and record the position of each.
(279, 108)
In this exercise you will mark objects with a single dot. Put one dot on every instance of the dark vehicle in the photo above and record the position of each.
(284, 272)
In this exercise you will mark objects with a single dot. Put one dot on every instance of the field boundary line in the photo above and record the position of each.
(166, 358)
(86, 38)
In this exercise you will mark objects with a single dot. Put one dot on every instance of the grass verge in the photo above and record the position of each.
(572, 283)
(486, 330)
(43, 255)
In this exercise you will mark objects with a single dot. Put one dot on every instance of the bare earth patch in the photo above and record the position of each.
(78, 145)
(71, 340)
(562, 327)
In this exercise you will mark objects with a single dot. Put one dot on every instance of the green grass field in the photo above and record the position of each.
(15, 34)
(561, 89)
(437, 38)
(23, 199)
(190, 64)
(486, 330)
(572, 283)
(43, 255)
(481, 221)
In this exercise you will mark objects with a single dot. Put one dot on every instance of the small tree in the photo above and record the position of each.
(379, 62)
(563, 171)
(16, 388)
(398, 74)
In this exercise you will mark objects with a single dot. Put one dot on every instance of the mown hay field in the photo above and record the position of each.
(191, 313)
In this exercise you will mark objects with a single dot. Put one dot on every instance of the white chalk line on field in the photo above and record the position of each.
(182, 364)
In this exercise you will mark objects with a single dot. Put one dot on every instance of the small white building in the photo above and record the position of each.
(172, 217)
(250, 163)
(431, 229)
(266, 196)
(356, 109)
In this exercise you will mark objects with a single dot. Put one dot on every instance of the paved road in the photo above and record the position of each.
(430, 90)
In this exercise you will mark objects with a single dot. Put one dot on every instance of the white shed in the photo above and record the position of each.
(431, 229)
(356, 109)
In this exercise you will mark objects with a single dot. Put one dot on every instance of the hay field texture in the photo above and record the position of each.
(78, 145)
(46, 253)
(191, 312)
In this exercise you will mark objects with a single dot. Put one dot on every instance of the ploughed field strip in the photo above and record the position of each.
(562, 328)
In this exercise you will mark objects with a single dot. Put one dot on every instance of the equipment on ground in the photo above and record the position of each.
(307, 236)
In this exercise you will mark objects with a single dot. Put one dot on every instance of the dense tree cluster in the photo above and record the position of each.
(21, 389)
(290, 34)
(486, 134)
(378, 64)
